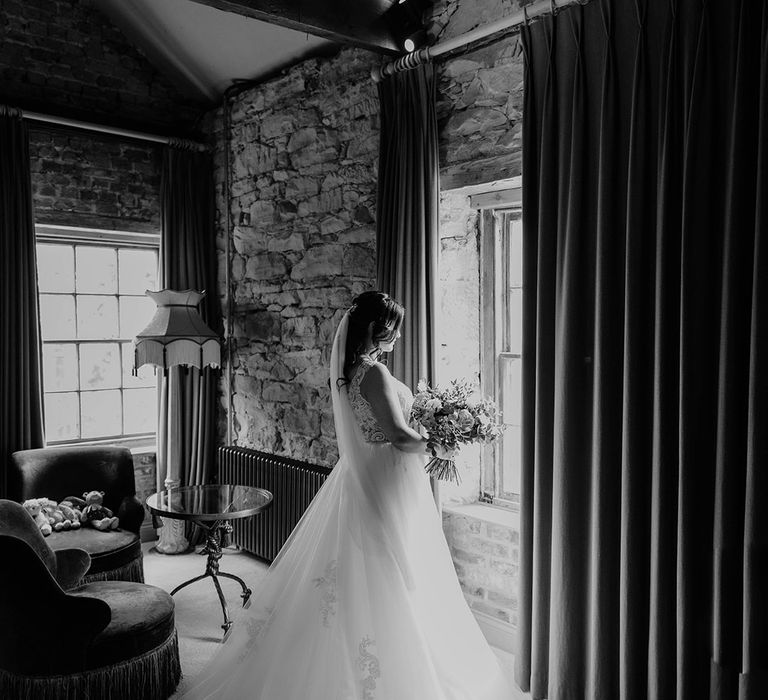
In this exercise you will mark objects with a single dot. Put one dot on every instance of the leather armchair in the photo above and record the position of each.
(58, 472)
(123, 643)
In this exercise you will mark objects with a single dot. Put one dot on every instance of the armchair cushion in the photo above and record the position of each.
(109, 549)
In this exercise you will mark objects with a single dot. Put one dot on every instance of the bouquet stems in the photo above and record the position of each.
(443, 469)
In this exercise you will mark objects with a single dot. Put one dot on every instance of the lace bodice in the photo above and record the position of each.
(370, 428)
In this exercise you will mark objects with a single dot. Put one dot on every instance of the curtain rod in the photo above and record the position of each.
(416, 58)
(101, 128)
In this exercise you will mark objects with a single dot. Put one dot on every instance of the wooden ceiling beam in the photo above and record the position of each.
(350, 22)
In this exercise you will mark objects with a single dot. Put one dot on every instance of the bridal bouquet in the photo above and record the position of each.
(451, 420)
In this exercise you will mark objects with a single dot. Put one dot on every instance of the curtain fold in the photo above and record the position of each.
(645, 448)
(21, 414)
(187, 433)
(407, 240)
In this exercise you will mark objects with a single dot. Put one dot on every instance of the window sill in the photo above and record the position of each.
(137, 446)
(486, 512)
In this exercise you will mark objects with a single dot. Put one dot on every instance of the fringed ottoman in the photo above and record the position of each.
(123, 644)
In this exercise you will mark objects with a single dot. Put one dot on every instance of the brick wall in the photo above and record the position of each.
(95, 181)
(303, 166)
(65, 57)
(486, 556)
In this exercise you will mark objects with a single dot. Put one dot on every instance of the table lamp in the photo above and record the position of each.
(176, 335)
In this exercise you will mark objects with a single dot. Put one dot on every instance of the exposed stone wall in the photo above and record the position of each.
(486, 558)
(66, 57)
(458, 324)
(480, 97)
(303, 164)
(95, 181)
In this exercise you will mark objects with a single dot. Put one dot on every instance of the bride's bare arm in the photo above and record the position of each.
(377, 388)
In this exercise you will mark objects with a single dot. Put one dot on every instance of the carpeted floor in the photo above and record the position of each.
(198, 613)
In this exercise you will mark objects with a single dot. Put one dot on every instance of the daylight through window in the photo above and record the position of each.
(92, 304)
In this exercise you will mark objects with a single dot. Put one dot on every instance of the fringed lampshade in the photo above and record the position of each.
(177, 334)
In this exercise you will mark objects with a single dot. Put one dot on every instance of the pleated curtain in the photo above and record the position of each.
(407, 239)
(644, 507)
(187, 433)
(21, 398)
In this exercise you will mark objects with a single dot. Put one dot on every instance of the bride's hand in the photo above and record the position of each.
(447, 453)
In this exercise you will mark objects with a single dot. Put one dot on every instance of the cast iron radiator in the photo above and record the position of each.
(292, 483)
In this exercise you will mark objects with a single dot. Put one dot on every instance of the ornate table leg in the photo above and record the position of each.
(212, 548)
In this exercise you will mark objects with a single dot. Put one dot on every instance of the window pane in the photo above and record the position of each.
(60, 367)
(97, 317)
(510, 460)
(57, 316)
(99, 366)
(55, 268)
(140, 410)
(146, 376)
(138, 271)
(61, 417)
(509, 371)
(515, 262)
(514, 320)
(135, 314)
(96, 270)
(101, 413)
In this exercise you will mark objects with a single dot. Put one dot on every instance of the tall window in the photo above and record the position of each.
(502, 326)
(91, 289)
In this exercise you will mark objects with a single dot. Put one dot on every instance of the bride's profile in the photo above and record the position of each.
(362, 602)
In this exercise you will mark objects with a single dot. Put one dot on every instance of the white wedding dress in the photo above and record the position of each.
(362, 602)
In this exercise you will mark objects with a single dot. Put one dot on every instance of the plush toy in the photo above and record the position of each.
(60, 515)
(34, 506)
(71, 513)
(96, 514)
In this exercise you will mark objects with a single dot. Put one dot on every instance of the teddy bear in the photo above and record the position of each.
(96, 514)
(72, 513)
(60, 516)
(34, 506)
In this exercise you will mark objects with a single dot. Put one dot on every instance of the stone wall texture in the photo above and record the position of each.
(486, 558)
(303, 164)
(65, 57)
(480, 96)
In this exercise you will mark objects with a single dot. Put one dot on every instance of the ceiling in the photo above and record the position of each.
(202, 46)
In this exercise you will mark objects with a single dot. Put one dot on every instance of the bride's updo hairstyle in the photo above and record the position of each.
(370, 307)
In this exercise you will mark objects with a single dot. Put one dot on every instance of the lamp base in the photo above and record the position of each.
(172, 539)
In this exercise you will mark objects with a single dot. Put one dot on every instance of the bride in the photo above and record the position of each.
(362, 602)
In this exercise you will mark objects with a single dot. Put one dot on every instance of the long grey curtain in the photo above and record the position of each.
(188, 261)
(21, 399)
(644, 527)
(407, 237)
